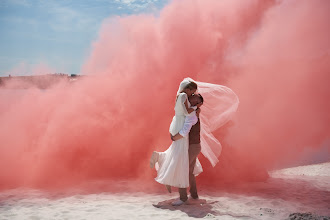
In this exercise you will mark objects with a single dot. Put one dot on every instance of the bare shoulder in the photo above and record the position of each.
(183, 95)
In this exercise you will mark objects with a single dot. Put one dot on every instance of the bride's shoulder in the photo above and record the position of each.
(182, 96)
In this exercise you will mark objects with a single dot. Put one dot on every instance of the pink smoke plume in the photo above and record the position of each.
(273, 54)
(24, 68)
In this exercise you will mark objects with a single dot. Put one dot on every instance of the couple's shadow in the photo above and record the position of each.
(193, 208)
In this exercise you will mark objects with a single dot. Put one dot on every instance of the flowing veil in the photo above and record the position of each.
(220, 102)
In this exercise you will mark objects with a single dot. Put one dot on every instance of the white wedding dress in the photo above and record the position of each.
(173, 164)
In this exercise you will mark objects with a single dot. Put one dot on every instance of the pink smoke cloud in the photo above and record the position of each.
(24, 68)
(273, 54)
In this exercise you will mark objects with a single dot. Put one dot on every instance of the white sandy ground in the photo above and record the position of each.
(300, 189)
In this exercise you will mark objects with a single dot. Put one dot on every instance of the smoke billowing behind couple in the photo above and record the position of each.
(273, 54)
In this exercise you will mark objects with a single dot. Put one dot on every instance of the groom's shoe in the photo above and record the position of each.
(193, 198)
(177, 202)
(153, 159)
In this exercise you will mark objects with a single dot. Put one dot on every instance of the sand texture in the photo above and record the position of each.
(293, 193)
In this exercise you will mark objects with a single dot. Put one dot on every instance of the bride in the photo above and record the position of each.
(220, 103)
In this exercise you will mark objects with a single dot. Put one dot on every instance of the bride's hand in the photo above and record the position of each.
(199, 105)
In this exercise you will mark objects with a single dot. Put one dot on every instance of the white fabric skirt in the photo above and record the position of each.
(173, 165)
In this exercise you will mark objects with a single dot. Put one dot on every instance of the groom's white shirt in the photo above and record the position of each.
(189, 121)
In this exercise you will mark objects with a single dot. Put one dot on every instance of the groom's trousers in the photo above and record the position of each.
(193, 151)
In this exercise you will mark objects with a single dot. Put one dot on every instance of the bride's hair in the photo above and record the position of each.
(191, 86)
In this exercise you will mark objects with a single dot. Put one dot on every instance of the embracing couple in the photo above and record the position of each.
(191, 133)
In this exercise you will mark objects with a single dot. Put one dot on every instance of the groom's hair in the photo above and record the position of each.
(200, 97)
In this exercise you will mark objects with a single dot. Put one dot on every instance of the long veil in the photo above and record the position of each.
(220, 102)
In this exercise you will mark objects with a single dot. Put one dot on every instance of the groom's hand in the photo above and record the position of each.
(176, 137)
(198, 111)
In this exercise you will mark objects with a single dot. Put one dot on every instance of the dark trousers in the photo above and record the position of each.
(193, 151)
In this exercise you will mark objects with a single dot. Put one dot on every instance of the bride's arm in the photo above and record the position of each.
(183, 100)
(191, 109)
(188, 123)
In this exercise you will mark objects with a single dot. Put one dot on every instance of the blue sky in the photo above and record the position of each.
(57, 33)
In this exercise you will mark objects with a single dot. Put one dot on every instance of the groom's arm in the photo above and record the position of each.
(185, 130)
(176, 137)
(186, 127)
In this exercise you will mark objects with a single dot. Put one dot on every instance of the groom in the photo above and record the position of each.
(191, 127)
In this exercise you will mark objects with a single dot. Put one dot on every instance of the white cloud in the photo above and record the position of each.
(137, 5)
(24, 3)
(65, 18)
(126, 1)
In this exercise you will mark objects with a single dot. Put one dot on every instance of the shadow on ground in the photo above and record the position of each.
(196, 208)
(193, 208)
